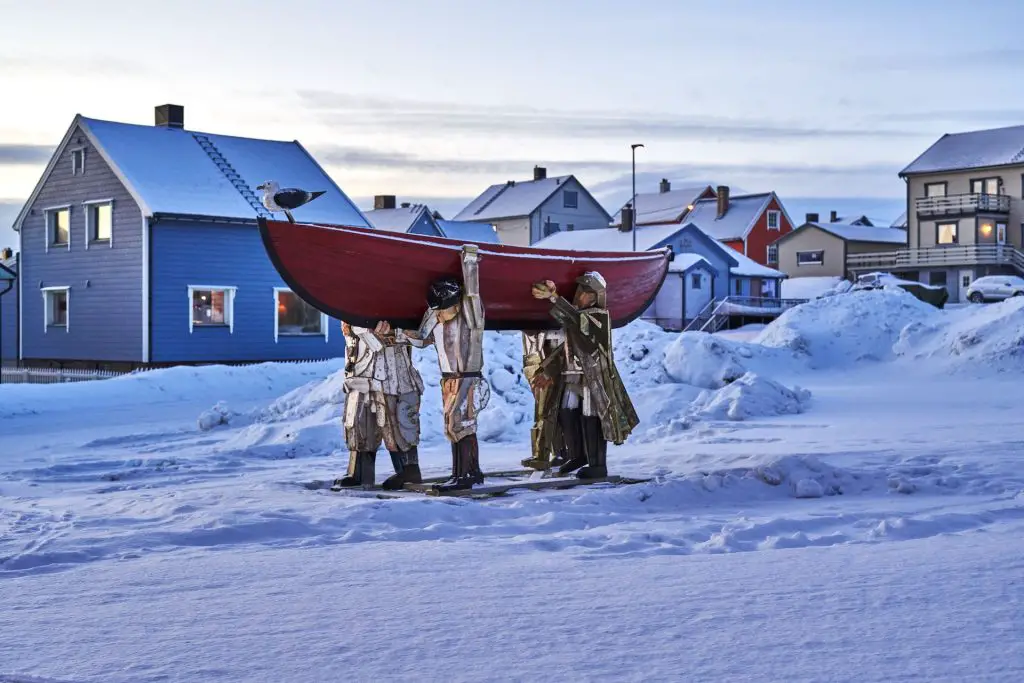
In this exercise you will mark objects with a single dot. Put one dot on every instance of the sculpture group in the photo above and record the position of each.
(581, 402)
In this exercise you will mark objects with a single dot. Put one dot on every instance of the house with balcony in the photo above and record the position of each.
(525, 212)
(964, 212)
(139, 247)
(821, 249)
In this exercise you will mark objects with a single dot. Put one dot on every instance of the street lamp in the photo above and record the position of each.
(634, 146)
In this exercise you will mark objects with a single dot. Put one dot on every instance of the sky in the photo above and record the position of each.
(823, 102)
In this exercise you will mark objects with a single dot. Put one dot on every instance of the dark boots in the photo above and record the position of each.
(361, 470)
(465, 466)
(569, 419)
(596, 449)
(407, 470)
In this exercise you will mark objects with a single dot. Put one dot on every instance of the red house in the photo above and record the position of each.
(748, 223)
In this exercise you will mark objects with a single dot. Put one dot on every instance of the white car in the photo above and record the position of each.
(995, 288)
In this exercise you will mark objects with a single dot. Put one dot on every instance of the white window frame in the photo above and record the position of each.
(938, 233)
(810, 263)
(48, 214)
(777, 215)
(75, 169)
(324, 320)
(768, 253)
(88, 206)
(47, 307)
(229, 305)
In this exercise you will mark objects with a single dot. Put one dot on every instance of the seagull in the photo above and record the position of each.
(288, 199)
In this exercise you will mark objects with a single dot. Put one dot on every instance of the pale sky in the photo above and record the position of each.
(432, 100)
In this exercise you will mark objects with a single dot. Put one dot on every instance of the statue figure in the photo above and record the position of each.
(594, 407)
(546, 440)
(454, 324)
(382, 404)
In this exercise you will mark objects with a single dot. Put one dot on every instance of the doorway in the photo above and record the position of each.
(966, 278)
(698, 292)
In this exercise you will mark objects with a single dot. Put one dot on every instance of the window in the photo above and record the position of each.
(985, 186)
(695, 281)
(78, 161)
(55, 308)
(965, 281)
(773, 253)
(946, 233)
(569, 227)
(58, 227)
(570, 199)
(773, 220)
(810, 258)
(935, 190)
(738, 287)
(99, 220)
(937, 278)
(1000, 233)
(211, 307)
(550, 228)
(294, 317)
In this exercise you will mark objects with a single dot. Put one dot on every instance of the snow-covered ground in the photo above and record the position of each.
(835, 496)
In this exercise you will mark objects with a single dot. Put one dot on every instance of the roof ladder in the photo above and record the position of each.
(231, 174)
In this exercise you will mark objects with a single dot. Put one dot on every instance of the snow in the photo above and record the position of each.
(812, 482)
(610, 239)
(973, 149)
(861, 233)
(742, 213)
(171, 173)
(808, 287)
(513, 199)
(683, 262)
(663, 207)
(748, 267)
(399, 219)
(481, 233)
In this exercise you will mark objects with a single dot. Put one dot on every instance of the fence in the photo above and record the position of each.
(53, 375)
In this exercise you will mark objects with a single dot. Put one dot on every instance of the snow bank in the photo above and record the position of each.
(703, 360)
(808, 287)
(842, 331)
(976, 337)
(750, 396)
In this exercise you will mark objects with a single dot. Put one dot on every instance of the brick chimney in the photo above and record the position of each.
(384, 201)
(6, 254)
(170, 116)
(723, 200)
(405, 205)
(833, 217)
(812, 218)
(627, 218)
(664, 186)
(540, 173)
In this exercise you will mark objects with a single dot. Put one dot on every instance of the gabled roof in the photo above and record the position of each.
(854, 233)
(683, 263)
(400, 219)
(170, 171)
(515, 199)
(739, 219)
(663, 207)
(855, 219)
(974, 149)
(480, 233)
(8, 270)
(900, 222)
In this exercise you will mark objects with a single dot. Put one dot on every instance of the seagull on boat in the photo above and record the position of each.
(287, 200)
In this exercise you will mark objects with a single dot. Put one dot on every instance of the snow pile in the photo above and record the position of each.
(639, 349)
(703, 360)
(809, 287)
(218, 415)
(989, 337)
(841, 331)
(750, 396)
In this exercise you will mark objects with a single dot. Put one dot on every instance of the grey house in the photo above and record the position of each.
(526, 212)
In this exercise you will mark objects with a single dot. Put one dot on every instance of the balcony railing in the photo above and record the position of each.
(963, 255)
(958, 204)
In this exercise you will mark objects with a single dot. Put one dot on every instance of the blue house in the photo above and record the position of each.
(8, 308)
(409, 218)
(704, 269)
(139, 247)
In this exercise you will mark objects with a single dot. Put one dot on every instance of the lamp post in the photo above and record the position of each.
(634, 146)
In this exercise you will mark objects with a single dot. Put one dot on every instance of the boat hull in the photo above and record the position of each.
(362, 275)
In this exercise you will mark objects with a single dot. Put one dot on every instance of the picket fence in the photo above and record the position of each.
(17, 375)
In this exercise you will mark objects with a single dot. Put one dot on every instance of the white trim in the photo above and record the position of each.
(21, 300)
(768, 253)
(115, 169)
(46, 173)
(778, 219)
(810, 263)
(88, 206)
(145, 288)
(229, 303)
(325, 326)
(75, 171)
(46, 306)
(47, 236)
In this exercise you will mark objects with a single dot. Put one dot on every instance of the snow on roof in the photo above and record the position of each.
(400, 219)
(748, 267)
(466, 230)
(863, 233)
(974, 149)
(511, 199)
(609, 239)
(663, 207)
(743, 211)
(171, 172)
(683, 262)
(900, 222)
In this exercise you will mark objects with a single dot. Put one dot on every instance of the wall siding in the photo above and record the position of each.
(9, 321)
(922, 233)
(588, 214)
(515, 231)
(812, 239)
(424, 225)
(685, 243)
(186, 254)
(105, 307)
(760, 236)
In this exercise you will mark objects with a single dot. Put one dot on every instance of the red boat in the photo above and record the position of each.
(363, 275)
